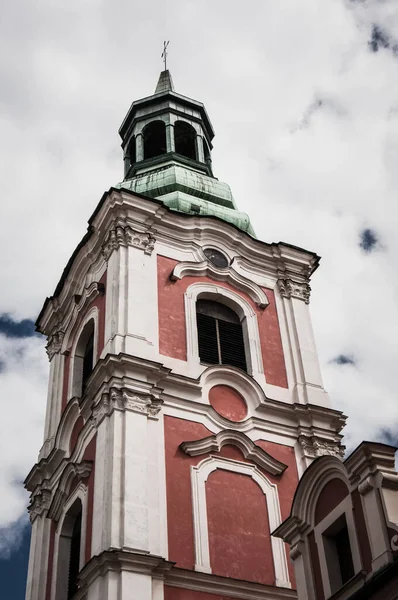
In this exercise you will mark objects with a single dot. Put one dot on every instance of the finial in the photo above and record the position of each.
(164, 54)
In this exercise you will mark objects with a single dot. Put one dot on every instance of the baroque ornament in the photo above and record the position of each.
(54, 343)
(121, 399)
(313, 447)
(40, 502)
(122, 235)
(292, 289)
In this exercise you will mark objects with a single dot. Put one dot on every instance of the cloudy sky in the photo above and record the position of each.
(304, 100)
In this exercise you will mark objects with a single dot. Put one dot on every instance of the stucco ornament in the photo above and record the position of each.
(313, 447)
(54, 343)
(122, 399)
(123, 235)
(291, 289)
(40, 502)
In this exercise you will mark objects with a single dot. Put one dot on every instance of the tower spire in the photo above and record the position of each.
(165, 83)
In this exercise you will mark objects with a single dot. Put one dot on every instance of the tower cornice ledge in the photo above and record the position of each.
(152, 221)
(121, 560)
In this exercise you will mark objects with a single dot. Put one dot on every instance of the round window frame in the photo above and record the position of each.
(220, 254)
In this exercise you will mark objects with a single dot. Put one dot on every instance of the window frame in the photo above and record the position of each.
(75, 384)
(62, 543)
(241, 307)
(320, 531)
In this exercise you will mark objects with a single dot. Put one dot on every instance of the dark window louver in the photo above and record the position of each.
(88, 361)
(74, 557)
(220, 341)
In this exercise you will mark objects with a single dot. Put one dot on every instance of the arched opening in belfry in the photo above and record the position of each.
(220, 335)
(185, 139)
(132, 152)
(83, 362)
(69, 552)
(154, 139)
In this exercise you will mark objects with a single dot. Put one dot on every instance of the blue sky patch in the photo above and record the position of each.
(16, 329)
(344, 359)
(368, 240)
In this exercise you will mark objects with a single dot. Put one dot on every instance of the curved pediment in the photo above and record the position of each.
(249, 449)
(228, 275)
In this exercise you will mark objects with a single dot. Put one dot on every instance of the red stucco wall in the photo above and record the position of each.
(172, 334)
(174, 593)
(239, 535)
(228, 402)
(236, 530)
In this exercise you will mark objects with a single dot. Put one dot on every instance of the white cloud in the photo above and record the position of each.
(68, 74)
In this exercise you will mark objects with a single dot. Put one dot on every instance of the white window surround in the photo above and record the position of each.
(72, 384)
(63, 533)
(218, 293)
(199, 476)
(345, 507)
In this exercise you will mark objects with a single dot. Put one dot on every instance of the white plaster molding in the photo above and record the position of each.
(214, 443)
(199, 476)
(58, 586)
(293, 289)
(313, 446)
(122, 234)
(228, 275)
(124, 399)
(72, 470)
(237, 379)
(343, 508)
(54, 343)
(226, 587)
(40, 502)
(236, 303)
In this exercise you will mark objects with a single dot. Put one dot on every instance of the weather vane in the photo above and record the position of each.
(164, 54)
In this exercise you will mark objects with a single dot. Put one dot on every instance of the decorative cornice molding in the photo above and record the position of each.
(54, 343)
(124, 399)
(214, 443)
(366, 486)
(228, 275)
(295, 551)
(314, 446)
(292, 289)
(123, 235)
(119, 560)
(40, 502)
(226, 587)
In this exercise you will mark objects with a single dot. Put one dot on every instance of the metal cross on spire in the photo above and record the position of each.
(164, 54)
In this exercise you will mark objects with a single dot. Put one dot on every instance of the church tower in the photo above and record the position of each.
(185, 397)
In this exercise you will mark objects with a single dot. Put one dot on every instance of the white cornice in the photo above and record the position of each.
(151, 221)
(229, 275)
(226, 586)
(214, 443)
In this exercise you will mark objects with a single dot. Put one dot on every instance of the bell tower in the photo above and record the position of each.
(185, 397)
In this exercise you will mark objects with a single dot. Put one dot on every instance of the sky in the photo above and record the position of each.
(304, 100)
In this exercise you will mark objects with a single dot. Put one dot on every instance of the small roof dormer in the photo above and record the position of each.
(167, 143)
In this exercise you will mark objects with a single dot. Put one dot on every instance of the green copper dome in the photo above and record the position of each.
(167, 140)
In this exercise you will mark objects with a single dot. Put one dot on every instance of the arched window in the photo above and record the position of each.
(185, 139)
(83, 362)
(220, 335)
(154, 139)
(69, 553)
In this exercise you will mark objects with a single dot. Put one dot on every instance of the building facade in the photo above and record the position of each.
(343, 527)
(185, 398)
